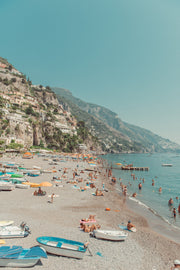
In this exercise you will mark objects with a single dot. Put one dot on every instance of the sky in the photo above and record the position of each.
(120, 54)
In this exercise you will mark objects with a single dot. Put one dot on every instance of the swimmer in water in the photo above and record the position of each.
(174, 213)
(170, 202)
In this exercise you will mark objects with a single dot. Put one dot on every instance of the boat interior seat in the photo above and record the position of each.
(69, 246)
(53, 244)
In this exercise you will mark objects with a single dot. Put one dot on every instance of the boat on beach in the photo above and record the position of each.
(16, 256)
(6, 186)
(62, 247)
(110, 235)
(22, 186)
(14, 231)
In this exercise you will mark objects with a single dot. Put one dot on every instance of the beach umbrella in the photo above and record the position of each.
(45, 184)
(34, 185)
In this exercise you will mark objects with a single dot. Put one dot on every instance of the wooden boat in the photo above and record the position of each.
(14, 231)
(16, 256)
(110, 235)
(4, 223)
(62, 247)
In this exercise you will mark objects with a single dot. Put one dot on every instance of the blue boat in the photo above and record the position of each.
(16, 256)
(62, 247)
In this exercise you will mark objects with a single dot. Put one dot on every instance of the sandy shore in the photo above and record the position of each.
(145, 249)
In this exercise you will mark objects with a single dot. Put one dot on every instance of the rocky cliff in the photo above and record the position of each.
(32, 116)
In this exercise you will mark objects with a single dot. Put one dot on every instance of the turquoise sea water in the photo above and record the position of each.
(168, 178)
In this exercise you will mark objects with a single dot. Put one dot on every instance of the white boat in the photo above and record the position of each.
(16, 256)
(14, 231)
(22, 186)
(6, 186)
(110, 235)
(62, 247)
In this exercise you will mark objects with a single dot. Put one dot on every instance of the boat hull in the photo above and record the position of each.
(62, 247)
(110, 235)
(18, 263)
(63, 252)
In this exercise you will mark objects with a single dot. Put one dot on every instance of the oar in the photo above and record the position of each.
(89, 251)
(86, 246)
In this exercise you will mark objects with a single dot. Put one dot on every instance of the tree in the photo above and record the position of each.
(29, 110)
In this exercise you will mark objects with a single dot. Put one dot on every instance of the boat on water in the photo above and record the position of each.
(110, 235)
(62, 247)
(14, 231)
(16, 256)
(166, 165)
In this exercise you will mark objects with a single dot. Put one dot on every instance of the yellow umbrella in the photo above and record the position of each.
(45, 184)
(35, 185)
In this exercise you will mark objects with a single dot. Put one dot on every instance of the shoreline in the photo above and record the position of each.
(62, 219)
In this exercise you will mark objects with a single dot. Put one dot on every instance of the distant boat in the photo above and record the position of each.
(14, 231)
(16, 256)
(62, 247)
(110, 235)
(167, 165)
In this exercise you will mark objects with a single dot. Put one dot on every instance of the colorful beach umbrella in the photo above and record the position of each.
(45, 184)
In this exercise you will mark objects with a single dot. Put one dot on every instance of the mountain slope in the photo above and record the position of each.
(106, 121)
(31, 116)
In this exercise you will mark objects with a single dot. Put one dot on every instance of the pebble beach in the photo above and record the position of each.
(147, 249)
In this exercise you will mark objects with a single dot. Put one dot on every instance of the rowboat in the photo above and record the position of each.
(62, 247)
(22, 186)
(14, 231)
(109, 235)
(6, 186)
(16, 256)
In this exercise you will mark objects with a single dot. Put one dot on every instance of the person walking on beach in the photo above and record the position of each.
(52, 198)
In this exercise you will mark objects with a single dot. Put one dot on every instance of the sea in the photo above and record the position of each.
(168, 178)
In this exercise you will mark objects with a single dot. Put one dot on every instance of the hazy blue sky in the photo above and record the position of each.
(121, 54)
